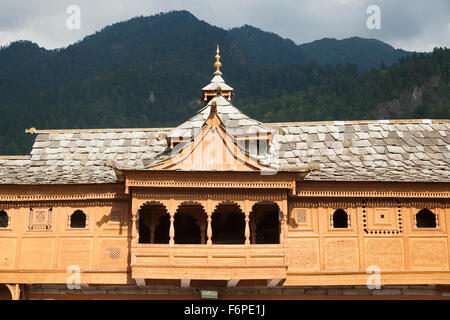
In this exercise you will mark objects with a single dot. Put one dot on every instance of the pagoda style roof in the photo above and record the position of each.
(235, 122)
(217, 83)
(383, 150)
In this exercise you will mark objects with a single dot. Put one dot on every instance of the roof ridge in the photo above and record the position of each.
(344, 122)
(15, 157)
(36, 131)
(274, 124)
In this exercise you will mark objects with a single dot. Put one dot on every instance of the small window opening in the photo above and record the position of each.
(78, 219)
(4, 219)
(340, 219)
(425, 219)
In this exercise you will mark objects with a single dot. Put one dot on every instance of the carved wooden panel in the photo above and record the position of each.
(341, 254)
(7, 252)
(37, 253)
(304, 255)
(428, 253)
(387, 254)
(75, 251)
(113, 253)
(208, 273)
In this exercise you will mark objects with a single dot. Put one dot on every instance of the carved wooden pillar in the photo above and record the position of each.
(172, 228)
(282, 224)
(172, 208)
(283, 221)
(247, 225)
(247, 230)
(134, 225)
(209, 229)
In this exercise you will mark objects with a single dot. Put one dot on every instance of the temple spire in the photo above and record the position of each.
(217, 85)
(217, 64)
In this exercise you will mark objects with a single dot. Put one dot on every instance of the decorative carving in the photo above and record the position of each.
(40, 219)
(428, 253)
(61, 197)
(114, 253)
(382, 221)
(116, 216)
(249, 180)
(202, 195)
(300, 219)
(384, 253)
(341, 254)
(304, 255)
(88, 203)
(378, 190)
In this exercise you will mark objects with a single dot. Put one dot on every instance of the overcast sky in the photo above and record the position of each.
(418, 25)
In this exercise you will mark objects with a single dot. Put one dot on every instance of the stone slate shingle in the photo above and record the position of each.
(378, 151)
(397, 150)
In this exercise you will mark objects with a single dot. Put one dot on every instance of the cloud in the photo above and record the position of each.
(410, 24)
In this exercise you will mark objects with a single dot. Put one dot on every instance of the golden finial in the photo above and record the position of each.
(218, 64)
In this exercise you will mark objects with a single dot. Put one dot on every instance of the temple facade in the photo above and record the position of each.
(227, 205)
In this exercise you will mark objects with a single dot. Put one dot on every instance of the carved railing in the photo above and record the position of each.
(214, 262)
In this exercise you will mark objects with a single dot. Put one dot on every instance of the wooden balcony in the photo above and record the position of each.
(216, 262)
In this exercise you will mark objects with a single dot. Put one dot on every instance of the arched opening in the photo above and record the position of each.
(4, 219)
(228, 224)
(425, 219)
(265, 223)
(78, 219)
(162, 229)
(144, 233)
(340, 219)
(5, 293)
(190, 224)
(153, 223)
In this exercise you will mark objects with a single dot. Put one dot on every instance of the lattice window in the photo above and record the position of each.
(116, 216)
(301, 216)
(114, 253)
(40, 219)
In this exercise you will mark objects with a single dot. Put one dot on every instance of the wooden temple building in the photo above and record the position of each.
(226, 204)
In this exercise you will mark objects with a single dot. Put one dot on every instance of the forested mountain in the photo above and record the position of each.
(366, 53)
(148, 72)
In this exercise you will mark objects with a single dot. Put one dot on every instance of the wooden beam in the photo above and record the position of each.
(232, 283)
(185, 283)
(140, 282)
(273, 282)
(15, 291)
